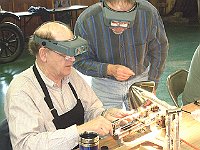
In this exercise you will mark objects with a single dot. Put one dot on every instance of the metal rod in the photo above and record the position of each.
(186, 111)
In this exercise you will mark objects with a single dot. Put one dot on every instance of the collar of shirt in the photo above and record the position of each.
(48, 81)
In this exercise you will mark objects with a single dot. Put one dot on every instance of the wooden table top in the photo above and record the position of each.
(189, 127)
(189, 134)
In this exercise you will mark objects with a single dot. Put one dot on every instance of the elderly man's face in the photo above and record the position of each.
(60, 64)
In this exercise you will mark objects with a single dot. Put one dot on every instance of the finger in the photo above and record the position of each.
(128, 71)
(111, 132)
(123, 113)
(125, 73)
(105, 130)
(108, 128)
(122, 77)
(111, 118)
(123, 122)
(147, 103)
(106, 124)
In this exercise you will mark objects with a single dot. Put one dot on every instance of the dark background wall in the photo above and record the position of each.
(35, 21)
(166, 7)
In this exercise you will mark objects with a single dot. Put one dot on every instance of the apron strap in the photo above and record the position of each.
(73, 90)
(47, 97)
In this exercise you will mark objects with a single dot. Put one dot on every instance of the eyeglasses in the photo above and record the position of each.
(71, 58)
(119, 24)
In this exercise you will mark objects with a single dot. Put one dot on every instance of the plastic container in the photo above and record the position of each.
(89, 141)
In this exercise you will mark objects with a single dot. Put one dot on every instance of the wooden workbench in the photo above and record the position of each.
(189, 134)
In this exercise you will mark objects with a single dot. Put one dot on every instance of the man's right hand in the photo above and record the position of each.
(99, 125)
(121, 73)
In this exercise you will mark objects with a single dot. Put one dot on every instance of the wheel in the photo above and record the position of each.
(11, 42)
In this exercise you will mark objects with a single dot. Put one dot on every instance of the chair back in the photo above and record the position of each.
(5, 142)
(176, 84)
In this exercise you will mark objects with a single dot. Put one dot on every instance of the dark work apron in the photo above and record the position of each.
(74, 116)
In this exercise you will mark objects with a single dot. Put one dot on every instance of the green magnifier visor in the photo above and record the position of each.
(113, 18)
(72, 47)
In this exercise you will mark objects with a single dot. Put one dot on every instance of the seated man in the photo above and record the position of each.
(48, 105)
(191, 91)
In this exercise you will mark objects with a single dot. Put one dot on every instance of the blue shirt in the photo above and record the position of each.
(144, 44)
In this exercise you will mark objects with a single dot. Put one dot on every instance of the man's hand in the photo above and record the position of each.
(113, 114)
(99, 125)
(121, 73)
(103, 124)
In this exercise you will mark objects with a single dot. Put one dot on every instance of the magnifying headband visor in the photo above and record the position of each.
(113, 18)
(72, 47)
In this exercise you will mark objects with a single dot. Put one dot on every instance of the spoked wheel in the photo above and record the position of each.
(11, 42)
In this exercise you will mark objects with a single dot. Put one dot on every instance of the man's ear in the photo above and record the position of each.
(43, 54)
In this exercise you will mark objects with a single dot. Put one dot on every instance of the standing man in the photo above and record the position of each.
(65, 16)
(127, 43)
